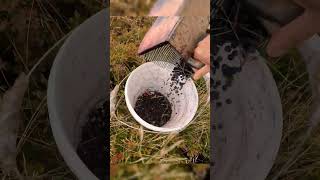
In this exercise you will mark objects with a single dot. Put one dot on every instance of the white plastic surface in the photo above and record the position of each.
(153, 77)
(248, 134)
(77, 82)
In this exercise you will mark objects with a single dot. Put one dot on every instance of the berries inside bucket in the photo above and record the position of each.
(154, 108)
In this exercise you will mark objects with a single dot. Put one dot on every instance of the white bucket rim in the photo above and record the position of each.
(150, 126)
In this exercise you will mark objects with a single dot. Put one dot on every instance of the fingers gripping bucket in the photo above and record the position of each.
(150, 76)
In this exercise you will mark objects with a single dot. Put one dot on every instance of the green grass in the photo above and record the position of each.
(130, 143)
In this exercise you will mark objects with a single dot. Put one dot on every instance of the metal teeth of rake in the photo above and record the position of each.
(165, 56)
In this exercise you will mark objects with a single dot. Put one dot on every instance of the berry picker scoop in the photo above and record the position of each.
(173, 39)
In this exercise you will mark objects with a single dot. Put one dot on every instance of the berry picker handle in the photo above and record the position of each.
(194, 63)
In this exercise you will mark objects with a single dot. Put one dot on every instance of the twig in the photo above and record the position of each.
(56, 11)
(28, 31)
(45, 11)
(123, 79)
(47, 53)
(33, 118)
(4, 77)
(18, 53)
(231, 25)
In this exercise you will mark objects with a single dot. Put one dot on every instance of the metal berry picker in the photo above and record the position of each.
(173, 39)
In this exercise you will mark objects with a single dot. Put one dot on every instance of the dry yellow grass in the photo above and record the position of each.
(292, 80)
(130, 7)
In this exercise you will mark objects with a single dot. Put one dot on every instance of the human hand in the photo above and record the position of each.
(298, 30)
(202, 53)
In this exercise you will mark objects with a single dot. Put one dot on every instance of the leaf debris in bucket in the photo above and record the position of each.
(154, 108)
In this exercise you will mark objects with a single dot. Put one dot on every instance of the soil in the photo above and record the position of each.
(154, 108)
(93, 145)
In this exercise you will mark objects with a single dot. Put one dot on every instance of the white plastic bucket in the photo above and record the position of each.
(77, 82)
(154, 77)
(248, 131)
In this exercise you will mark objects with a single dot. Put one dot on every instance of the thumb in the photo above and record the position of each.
(201, 72)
